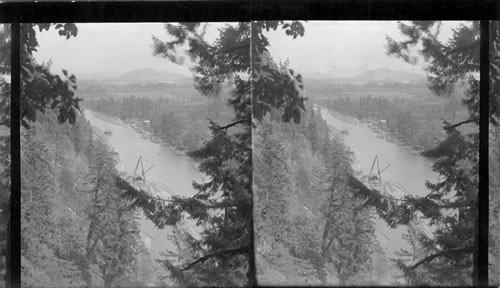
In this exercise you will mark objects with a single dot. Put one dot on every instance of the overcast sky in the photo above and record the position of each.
(328, 48)
(343, 48)
(104, 49)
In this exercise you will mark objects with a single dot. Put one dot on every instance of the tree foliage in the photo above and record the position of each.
(450, 207)
(112, 222)
(40, 88)
(223, 204)
(5, 72)
(494, 220)
(310, 227)
(182, 125)
(412, 121)
(494, 159)
(77, 230)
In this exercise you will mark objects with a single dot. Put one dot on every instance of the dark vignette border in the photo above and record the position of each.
(245, 10)
(13, 271)
(483, 192)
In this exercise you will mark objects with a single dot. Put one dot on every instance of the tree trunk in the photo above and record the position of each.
(107, 280)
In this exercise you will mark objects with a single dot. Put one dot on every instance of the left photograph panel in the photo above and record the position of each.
(130, 177)
(5, 40)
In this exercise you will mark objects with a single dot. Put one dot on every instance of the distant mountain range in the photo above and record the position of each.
(152, 75)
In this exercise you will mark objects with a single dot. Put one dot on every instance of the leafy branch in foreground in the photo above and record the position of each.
(40, 88)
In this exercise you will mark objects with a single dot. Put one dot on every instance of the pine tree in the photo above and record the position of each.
(113, 231)
(39, 87)
(348, 231)
(271, 188)
(57, 208)
(223, 205)
(48, 245)
(449, 251)
(306, 214)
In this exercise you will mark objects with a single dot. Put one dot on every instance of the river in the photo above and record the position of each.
(176, 171)
(406, 168)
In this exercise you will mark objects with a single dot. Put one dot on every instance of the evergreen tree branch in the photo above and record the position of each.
(231, 125)
(456, 205)
(452, 126)
(438, 205)
(243, 45)
(464, 48)
(239, 250)
(216, 205)
(460, 250)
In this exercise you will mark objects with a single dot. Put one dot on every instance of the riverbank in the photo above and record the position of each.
(141, 129)
(376, 127)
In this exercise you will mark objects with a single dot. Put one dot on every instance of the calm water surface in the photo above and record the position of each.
(176, 171)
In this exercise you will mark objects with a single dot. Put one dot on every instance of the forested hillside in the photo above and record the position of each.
(310, 229)
(494, 156)
(494, 228)
(88, 235)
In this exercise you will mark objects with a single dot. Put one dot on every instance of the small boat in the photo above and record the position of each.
(344, 131)
(108, 132)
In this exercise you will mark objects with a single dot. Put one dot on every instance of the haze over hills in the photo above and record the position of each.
(152, 75)
(374, 75)
(148, 75)
(145, 75)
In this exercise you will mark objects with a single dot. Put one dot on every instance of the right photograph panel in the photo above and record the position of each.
(365, 152)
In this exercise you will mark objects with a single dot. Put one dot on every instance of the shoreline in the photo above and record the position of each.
(383, 136)
(144, 134)
(375, 127)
